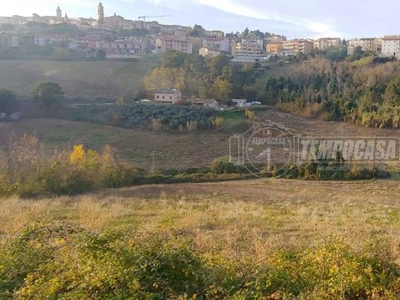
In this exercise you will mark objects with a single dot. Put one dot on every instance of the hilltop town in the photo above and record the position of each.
(116, 37)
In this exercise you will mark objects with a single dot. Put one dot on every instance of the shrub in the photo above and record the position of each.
(32, 173)
(57, 260)
(218, 122)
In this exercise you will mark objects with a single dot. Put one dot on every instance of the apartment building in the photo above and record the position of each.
(180, 33)
(172, 29)
(153, 27)
(275, 38)
(206, 52)
(9, 40)
(391, 45)
(297, 45)
(367, 44)
(371, 45)
(275, 47)
(220, 44)
(249, 48)
(171, 43)
(214, 33)
(326, 43)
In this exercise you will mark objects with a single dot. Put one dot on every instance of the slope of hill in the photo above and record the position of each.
(261, 239)
(173, 149)
(105, 79)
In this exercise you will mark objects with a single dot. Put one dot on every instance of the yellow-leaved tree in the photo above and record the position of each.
(78, 155)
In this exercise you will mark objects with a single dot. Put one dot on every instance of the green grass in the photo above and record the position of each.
(104, 79)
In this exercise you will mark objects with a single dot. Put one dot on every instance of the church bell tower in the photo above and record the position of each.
(100, 13)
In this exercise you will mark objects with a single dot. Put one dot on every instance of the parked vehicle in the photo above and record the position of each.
(15, 116)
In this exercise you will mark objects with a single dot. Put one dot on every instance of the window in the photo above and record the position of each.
(158, 97)
(163, 97)
(170, 97)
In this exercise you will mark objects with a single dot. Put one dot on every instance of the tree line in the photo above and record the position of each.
(196, 76)
(49, 95)
(362, 89)
(361, 92)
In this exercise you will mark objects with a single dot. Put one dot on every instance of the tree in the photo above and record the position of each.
(49, 94)
(101, 54)
(245, 33)
(197, 31)
(392, 93)
(173, 59)
(8, 101)
(62, 54)
(257, 34)
(300, 57)
(6, 27)
(222, 89)
(358, 53)
(217, 64)
(336, 54)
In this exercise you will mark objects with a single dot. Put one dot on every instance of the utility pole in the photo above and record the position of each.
(154, 156)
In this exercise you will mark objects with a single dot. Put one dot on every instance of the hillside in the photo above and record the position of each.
(174, 149)
(105, 79)
(261, 239)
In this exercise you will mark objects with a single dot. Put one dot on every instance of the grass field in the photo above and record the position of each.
(175, 150)
(314, 239)
(254, 239)
(104, 79)
(268, 214)
(172, 150)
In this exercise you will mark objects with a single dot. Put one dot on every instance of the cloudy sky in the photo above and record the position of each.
(293, 18)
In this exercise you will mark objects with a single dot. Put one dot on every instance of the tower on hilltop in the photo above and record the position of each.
(100, 13)
(59, 14)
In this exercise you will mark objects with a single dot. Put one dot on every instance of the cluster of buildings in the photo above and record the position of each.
(174, 96)
(100, 35)
(388, 46)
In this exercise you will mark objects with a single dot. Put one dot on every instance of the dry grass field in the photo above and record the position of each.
(336, 230)
(174, 150)
(240, 218)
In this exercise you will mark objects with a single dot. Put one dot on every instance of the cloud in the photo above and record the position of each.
(176, 4)
(52, 3)
(255, 10)
(235, 8)
(317, 29)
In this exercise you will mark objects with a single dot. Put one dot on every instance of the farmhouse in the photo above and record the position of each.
(205, 102)
(167, 96)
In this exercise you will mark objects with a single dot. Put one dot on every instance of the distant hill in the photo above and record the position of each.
(105, 79)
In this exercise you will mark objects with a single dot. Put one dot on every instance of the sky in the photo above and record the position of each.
(292, 18)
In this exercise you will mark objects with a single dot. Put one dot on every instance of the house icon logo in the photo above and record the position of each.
(266, 146)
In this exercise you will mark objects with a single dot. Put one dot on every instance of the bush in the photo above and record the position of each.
(158, 117)
(222, 165)
(57, 260)
(31, 173)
